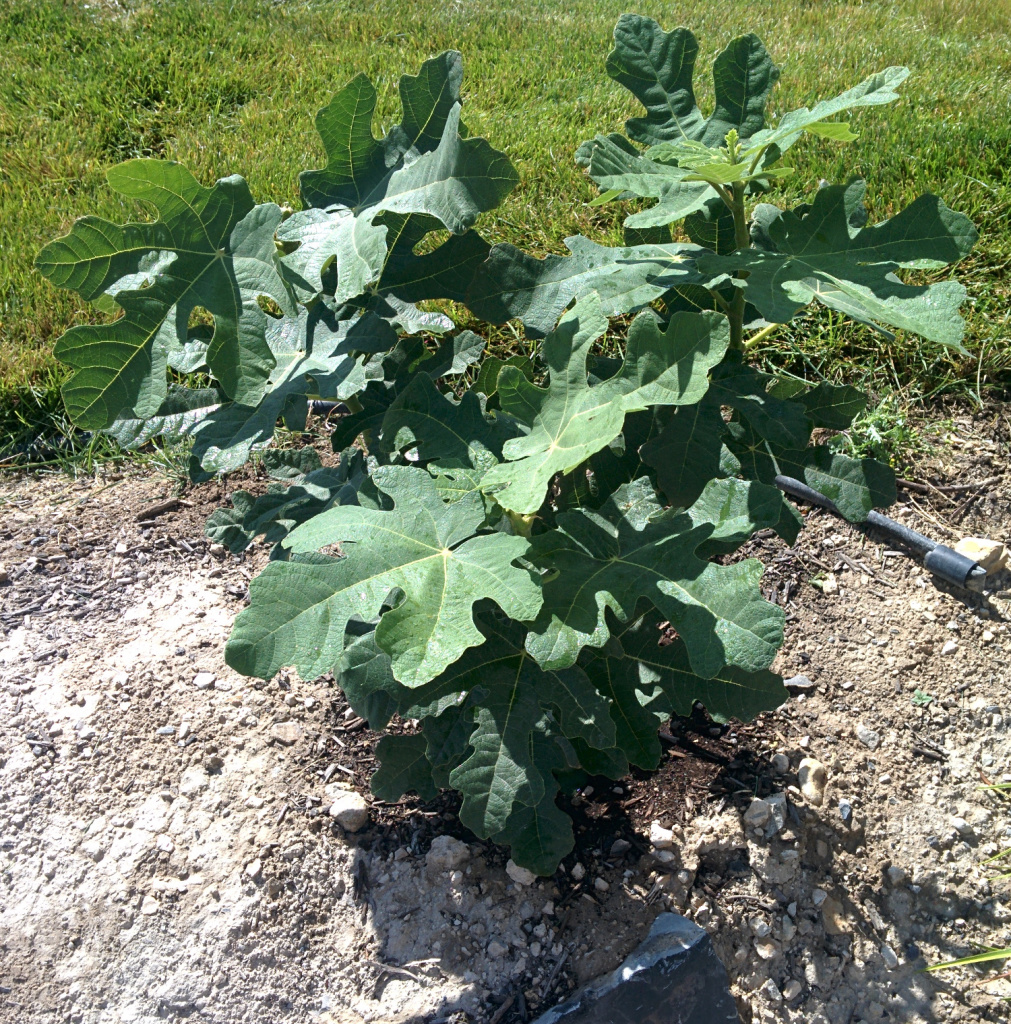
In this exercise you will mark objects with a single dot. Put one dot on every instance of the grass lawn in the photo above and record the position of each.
(233, 88)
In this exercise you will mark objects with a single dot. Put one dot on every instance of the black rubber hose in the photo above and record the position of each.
(942, 561)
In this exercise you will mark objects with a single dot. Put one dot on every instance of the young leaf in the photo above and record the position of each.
(569, 420)
(427, 549)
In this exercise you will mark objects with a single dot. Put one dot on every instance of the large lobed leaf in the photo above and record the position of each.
(211, 248)
(569, 420)
(429, 550)
(827, 252)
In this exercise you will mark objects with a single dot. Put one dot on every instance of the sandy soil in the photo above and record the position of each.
(166, 851)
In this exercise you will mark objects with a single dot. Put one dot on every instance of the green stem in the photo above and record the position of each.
(760, 336)
(742, 240)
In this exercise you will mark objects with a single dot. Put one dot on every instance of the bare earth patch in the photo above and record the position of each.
(166, 851)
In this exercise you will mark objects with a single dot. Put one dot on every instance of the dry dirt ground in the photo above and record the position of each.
(166, 852)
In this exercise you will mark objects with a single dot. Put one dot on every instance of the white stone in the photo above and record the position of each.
(578, 871)
(792, 989)
(961, 826)
(446, 854)
(521, 876)
(93, 849)
(813, 777)
(770, 991)
(660, 837)
(990, 554)
(889, 957)
(254, 869)
(350, 810)
(149, 906)
(830, 585)
(600, 885)
(949, 648)
(896, 875)
(757, 814)
(204, 680)
(868, 737)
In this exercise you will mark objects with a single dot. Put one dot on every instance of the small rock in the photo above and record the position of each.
(164, 844)
(830, 585)
(961, 826)
(548, 910)
(496, 949)
(254, 803)
(286, 733)
(184, 730)
(166, 730)
(990, 554)
(800, 684)
(535, 949)
(818, 896)
(792, 989)
(446, 854)
(780, 764)
(521, 876)
(805, 742)
(770, 991)
(889, 957)
(868, 737)
(949, 648)
(757, 814)
(987, 637)
(760, 927)
(832, 917)
(254, 869)
(350, 811)
(578, 872)
(777, 814)
(218, 550)
(845, 811)
(149, 906)
(896, 875)
(600, 885)
(660, 837)
(204, 680)
(93, 849)
(813, 777)
(620, 847)
(767, 949)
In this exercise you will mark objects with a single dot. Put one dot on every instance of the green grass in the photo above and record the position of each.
(233, 87)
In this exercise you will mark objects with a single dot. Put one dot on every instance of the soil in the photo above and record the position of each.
(166, 851)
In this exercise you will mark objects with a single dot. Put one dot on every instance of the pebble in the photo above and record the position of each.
(166, 730)
(792, 989)
(987, 637)
(184, 730)
(204, 680)
(660, 837)
(845, 811)
(767, 949)
(780, 764)
(520, 875)
(447, 853)
(800, 684)
(254, 869)
(350, 811)
(950, 647)
(832, 917)
(771, 992)
(868, 737)
(620, 847)
(496, 949)
(578, 872)
(990, 554)
(889, 957)
(149, 906)
(813, 777)
(760, 927)
(757, 814)
(286, 733)
(830, 585)
(961, 826)
(818, 896)
(896, 875)
(600, 885)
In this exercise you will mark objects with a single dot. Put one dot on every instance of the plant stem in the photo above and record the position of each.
(760, 336)
(742, 239)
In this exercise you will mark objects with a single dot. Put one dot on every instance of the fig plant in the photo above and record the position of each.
(534, 558)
